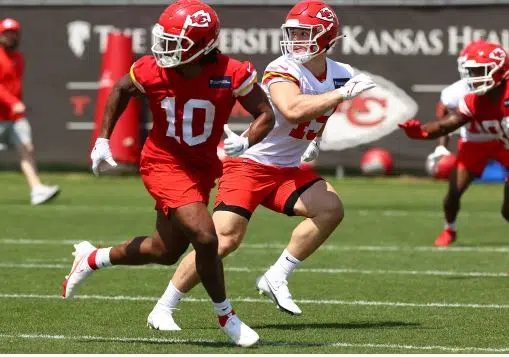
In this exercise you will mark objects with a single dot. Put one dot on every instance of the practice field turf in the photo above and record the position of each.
(377, 286)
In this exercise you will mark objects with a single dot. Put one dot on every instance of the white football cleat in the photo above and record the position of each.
(161, 319)
(279, 293)
(80, 269)
(43, 194)
(240, 333)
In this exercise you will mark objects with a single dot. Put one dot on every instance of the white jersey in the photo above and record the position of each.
(287, 141)
(450, 98)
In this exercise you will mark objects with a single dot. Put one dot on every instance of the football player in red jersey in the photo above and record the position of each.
(191, 89)
(475, 150)
(15, 130)
(485, 110)
(305, 87)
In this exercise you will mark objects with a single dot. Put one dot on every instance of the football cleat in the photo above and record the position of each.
(161, 319)
(240, 333)
(43, 194)
(80, 269)
(446, 238)
(279, 293)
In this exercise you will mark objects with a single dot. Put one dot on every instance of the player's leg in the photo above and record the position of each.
(230, 229)
(240, 190)
(502, 156)
(320, 204)
(164, 247)
(472, 157)
(21, 138)
(196, 222)
(505, 204)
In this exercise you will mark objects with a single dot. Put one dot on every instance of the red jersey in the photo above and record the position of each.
(188, 115)
(11, 74)
(488, 115)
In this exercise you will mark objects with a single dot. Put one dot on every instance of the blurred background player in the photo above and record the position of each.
(304, 87)
(484, 111)
(474, 149)
(191, 89)
(15, 129)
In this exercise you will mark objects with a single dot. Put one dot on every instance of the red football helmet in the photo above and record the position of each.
(483, 65)
(9, 24)
(186, 30)
(311, 28)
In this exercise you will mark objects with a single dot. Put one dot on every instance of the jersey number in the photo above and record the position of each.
(500, 128)
(302, 130)
(168, 104)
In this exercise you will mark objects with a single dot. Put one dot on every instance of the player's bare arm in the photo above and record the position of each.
(441, 112)
(300, 108)
(435, 129)
(257, 104)
(117, 101)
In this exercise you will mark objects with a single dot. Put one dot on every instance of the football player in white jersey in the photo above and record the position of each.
(474, 152)
(304, 88)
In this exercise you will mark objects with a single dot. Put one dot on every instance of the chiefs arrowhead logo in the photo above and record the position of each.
(326, 14)
(199, 19)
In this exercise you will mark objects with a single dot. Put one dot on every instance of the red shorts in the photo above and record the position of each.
(173, 186)
(245, 184)
(474, 156)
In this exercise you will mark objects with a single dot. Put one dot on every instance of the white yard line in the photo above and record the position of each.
(244, 269)
(374, 248)
(252, 300)
(262, 343)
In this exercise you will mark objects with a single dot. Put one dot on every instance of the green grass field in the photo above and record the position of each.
(377, 286)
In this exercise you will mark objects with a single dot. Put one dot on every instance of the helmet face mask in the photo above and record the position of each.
(311, 28)
(168, 49)
(478, 76)
(186, 30)
(300, 42)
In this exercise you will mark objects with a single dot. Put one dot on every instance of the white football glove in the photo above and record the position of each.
(101, 153)
(440, 150)
(356, 85)
(312, 150)
(234, 145)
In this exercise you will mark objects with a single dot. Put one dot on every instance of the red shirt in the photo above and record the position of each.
(11, 75)
(188, 115)
(488, 115)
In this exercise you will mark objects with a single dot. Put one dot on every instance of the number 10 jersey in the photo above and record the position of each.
(188, 115)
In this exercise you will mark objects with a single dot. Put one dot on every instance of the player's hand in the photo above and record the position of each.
(440, 150)
(413, 129)
(18, 108)
(356, 85)
(101, 155)
(312, 151)
(234, 145)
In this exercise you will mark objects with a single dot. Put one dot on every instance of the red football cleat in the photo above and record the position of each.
(446, 238)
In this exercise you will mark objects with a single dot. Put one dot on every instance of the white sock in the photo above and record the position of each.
(171, 297)
(283, 266)
(451, 226)
(223, 308)
(102, 258)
